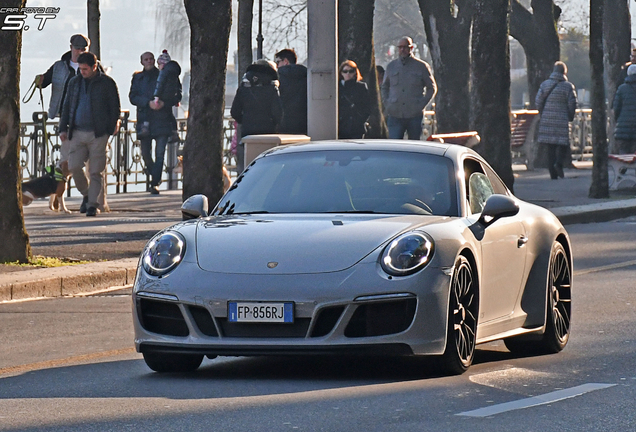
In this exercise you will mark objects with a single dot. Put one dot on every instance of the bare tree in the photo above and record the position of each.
(394, 20)
(13, 235)
(244, 36)
(490, 90)
(616, 50)
(285, 26)
(171, 17)
(210, 24)
(355, 42)
(448, 26)
(537, 32)
(600, 182)
(93, 18)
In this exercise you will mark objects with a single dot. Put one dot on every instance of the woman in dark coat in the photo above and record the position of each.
(354, 104)
(625, 113)
(556, 101)
(257, 106)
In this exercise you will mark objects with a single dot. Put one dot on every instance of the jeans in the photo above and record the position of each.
(626, 146)
(155, 168)
(412, 126)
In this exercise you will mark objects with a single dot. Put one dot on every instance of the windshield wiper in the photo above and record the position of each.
(248, 213)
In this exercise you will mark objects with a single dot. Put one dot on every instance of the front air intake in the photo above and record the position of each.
(161, 317)
(381, 318)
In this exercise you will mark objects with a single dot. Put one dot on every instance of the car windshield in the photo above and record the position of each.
(345, 181)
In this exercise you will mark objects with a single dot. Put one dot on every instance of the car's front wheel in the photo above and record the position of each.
(462, 320)
(170, 362)
(559, 309)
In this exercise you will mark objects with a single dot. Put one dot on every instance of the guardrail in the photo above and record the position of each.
(125, 169)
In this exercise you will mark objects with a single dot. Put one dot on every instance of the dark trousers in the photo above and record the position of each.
(412, 126)
(556, 157)
(154, 167)
(626, 146)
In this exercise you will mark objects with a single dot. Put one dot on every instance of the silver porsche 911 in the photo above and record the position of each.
(356, 247)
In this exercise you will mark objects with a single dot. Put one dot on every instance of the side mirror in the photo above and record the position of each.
(497, 207)
(194, 207)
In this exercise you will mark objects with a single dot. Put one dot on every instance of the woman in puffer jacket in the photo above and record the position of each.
(625, 113)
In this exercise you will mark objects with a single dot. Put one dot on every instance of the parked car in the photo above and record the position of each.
(356, 247)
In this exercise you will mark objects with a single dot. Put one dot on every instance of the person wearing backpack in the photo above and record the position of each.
(625, 113)
(556, 102)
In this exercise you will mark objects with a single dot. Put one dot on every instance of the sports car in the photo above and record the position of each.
(355, 247)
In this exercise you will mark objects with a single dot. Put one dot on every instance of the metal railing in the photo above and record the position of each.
(125, 169)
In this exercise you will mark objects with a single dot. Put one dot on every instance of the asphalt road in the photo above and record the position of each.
(69, 365)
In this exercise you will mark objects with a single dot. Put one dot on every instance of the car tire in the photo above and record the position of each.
(559, 310)
(463, 309)
(170, 362)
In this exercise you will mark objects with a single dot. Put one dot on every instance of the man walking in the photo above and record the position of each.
(90, 113)
(407, 88)
(293, 92)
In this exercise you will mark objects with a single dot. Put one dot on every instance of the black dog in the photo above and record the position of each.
(52, 184)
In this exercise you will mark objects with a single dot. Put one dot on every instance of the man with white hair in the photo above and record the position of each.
(407, 88)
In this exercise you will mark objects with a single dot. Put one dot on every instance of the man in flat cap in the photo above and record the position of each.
(61, 72)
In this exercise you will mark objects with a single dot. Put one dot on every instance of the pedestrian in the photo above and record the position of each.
(90, 113)
(154, 99)
(556, 102)
(407, 88)
(354, 104)
(257, 107)
(623, 75)
(625, 113)
(379, 73)
(293, 92)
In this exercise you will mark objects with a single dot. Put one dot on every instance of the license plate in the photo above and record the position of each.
(258, 312)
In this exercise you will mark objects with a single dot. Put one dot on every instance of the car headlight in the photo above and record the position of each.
(407, 254)
(163, 253)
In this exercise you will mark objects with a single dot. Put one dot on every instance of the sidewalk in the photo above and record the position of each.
(116, 239)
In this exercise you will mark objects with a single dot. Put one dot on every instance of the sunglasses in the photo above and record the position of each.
(348, 71)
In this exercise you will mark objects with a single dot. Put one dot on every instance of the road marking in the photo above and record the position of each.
(536, 400)
(61, 362)
(606, 267)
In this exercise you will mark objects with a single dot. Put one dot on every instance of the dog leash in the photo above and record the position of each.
(35, 85)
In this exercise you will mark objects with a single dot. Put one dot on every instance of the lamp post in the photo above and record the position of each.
(259, 37)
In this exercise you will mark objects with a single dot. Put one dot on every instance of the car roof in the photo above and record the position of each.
(442, 149)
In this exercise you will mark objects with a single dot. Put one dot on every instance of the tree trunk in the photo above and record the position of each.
(244, 36)
(600, 183)
(616, 50)
(490, 90)
(210, 24)
(93, 17)
(13, 235)
(355, 42)
(537, 34)
(448, 36)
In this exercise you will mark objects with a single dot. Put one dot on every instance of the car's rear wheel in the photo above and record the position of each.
(170, 362)
(462, 320)
(559, 310)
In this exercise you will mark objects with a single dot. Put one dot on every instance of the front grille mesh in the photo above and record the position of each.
(161, 317)
(380, 319)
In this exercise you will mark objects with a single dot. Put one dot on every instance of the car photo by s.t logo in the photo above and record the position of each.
(15, 19)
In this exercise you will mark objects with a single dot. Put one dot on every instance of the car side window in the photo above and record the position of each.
(480, 189)
(498, 186)
(478, 186)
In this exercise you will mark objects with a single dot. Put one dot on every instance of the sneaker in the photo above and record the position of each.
(154, 190)
(84, 205)
(91, 211)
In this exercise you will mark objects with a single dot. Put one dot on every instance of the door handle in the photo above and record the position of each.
(522, 241)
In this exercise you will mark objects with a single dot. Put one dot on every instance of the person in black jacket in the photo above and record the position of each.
(155, 119)
(625, 113)
(354, 104)
(293, 92)
(90, 113)
(257, 106)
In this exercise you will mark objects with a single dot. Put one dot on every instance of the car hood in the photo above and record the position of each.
(292, 244)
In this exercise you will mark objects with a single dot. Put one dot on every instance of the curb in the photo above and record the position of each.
(67, 280)
(591, 213)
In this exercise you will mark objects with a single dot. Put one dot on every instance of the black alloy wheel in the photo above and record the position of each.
(462, 320)
(559, 310)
